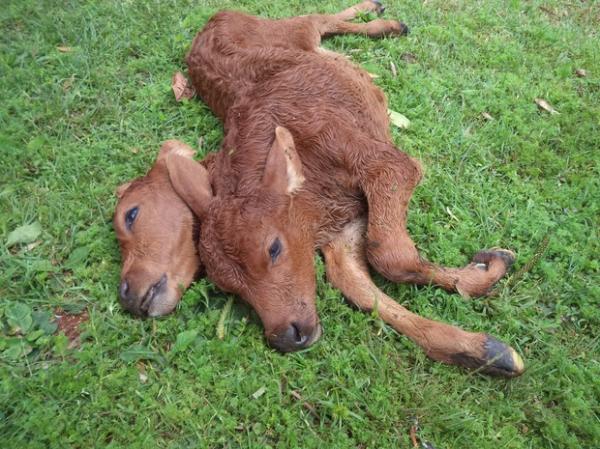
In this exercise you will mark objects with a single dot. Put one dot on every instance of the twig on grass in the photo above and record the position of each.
(308, 406)
(413, 436)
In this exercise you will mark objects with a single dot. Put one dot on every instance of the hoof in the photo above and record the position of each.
(379, 8)
(498, 359)
(404, 30)
(502, 360)
(483, 258)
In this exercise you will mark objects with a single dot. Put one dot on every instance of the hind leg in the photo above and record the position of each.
(388, 178)
(364, 7)
(306, 32)
(346, 265)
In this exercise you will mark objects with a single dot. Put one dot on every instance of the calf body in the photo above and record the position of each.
(307, 162)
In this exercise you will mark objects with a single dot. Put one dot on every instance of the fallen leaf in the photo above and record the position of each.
(398, 119)
(487, 116)
(543, 104)
(64, 49)
(258, 393)
(33, 245)
(181, 87)
(24, 234)
(581, 73)
(393, 69)
(372, 75)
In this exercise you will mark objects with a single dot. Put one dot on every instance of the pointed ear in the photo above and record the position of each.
(283, 171)
(191, 181)
(121, 189)
(175, 147)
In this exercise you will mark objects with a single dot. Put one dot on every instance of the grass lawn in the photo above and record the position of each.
(86, 101)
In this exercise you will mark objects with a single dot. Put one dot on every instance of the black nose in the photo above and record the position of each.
(404, 29)
(129, 299)
(295, 337)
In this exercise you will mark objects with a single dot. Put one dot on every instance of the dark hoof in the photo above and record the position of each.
(404, 30)
(502, 360)
(485, 257)
(499, 360)
(379, 8)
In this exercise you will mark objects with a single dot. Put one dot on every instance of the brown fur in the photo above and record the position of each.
(307, 161)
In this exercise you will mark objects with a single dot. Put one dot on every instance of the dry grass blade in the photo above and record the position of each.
(532, 262)
(393, 69)
(223, 317)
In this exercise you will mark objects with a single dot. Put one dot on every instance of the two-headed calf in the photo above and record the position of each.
(307, 163)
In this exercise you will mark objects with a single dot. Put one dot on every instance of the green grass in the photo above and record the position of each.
(75, 124)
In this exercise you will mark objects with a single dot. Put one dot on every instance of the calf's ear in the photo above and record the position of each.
(191, 182)
(175, 147)
(283, 170)
(121, 189)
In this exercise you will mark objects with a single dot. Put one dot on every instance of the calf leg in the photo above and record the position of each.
(364, 7)
(306, 32)
(375, 28)
(330, 25)
(347, 270)
(388, 178)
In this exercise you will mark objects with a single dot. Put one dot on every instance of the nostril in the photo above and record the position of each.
(298, 337)
(297, 334)
(124, 290)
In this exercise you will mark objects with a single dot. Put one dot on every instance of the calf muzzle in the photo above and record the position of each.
(295, 337)
(138, 302)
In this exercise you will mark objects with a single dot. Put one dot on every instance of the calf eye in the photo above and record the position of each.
(130, 217)
(275, 250)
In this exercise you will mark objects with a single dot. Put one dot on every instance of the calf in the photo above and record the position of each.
(307, 162)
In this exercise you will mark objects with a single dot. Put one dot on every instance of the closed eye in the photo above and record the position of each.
(275, 249)
(130, 216)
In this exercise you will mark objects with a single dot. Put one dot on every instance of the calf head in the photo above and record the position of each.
(255, 246)
(157, 235)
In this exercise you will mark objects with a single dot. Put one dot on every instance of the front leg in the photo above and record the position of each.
(388, 178)
(347, 270)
